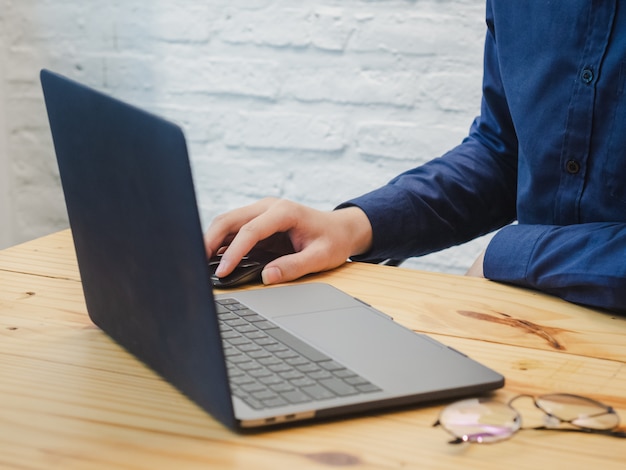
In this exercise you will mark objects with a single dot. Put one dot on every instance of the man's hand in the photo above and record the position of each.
(312, 240)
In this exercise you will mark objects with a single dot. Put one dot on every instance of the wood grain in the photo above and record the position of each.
(70, 398)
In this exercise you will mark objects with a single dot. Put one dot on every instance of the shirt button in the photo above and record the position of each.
(572, 167)
(586, 76)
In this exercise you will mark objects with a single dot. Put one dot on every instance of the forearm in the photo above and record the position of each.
(582, 263)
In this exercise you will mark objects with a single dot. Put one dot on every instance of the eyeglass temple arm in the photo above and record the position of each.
(604, 432)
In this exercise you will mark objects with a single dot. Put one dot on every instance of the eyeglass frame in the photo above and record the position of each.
(612, 432)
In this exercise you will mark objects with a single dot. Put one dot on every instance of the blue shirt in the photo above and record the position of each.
(548, 151)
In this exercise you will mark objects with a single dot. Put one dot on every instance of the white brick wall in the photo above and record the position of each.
(314, 101)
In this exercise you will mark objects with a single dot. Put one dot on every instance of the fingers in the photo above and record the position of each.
(225, 227)
(240, 230)
(274, 219)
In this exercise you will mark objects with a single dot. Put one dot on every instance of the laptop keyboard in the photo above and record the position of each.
(269, 367)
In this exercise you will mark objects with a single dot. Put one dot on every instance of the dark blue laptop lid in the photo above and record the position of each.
(132, 209)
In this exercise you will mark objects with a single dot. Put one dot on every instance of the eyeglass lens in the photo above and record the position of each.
(480, 420)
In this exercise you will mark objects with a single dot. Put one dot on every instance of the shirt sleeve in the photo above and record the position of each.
(582, 263)
(447, 201)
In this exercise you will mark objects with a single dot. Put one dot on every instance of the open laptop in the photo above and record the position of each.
(291, 353)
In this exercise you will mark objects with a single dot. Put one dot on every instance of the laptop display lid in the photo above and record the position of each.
(132, 209)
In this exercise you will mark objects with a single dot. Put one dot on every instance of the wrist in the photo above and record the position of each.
(357, 229)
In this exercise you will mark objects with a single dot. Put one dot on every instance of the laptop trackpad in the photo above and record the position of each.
(376, 347)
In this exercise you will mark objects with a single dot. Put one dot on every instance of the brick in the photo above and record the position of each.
(225, 76)
(395, 88)
(284, 131)
(405, 140)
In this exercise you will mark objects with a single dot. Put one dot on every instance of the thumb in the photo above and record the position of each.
(292, 266)
(272, 275)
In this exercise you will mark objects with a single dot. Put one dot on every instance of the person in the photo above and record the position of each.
(544, 164)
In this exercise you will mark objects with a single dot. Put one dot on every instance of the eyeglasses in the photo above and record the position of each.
(483, 420)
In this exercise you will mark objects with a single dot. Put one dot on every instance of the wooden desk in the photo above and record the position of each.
(70, 398)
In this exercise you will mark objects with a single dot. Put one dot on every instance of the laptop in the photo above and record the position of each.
(250, 358)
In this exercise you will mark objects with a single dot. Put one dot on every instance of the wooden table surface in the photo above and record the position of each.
(70, 398)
